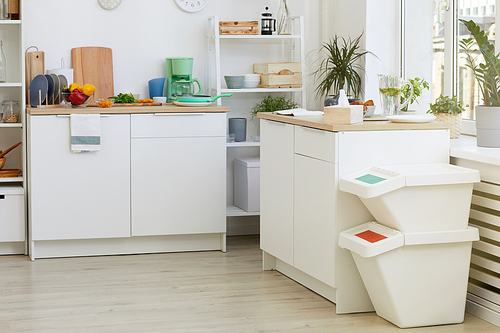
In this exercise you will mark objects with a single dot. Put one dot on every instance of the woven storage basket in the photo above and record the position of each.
(455, 120)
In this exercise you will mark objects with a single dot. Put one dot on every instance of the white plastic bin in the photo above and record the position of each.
(247, 183)
(413, 279)
(12, 213)
(412, 198)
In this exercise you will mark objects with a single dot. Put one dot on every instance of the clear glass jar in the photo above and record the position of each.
(10, 110)
(3, 64)
(284, 19)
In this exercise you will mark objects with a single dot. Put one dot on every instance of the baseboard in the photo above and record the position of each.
(482, 312)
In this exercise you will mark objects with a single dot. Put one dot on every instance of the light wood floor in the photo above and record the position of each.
(175, 292)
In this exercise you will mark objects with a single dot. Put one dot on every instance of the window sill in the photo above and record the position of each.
(465, 147)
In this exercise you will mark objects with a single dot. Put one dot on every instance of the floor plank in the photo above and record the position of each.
(174, 292)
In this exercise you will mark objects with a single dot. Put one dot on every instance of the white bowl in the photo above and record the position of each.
(370, 110)
(252, 76)
(159, 99)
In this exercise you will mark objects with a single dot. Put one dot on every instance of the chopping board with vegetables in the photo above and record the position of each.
(94, 65)
(129, 100)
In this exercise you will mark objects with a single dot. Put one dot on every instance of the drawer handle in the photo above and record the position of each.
(312, 129)
(67, 115)
(274, 122)
(2, 196)
(180, 114)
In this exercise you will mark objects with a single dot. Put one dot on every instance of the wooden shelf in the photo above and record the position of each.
(235, 211)
(260, 90)
(18, 125)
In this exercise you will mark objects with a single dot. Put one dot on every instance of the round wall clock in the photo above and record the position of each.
(109, 4)
(191, 6)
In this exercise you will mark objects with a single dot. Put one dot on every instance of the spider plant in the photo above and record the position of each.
(339, 68)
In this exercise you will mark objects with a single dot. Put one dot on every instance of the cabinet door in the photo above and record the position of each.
(276, 188)
(178, 185)
(315, 216)
(79, 195)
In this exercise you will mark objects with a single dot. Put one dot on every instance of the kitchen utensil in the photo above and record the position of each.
(159, 99)
(370, 109)
(66, 72)
(10, 110)
(390, 94)
(50, 90)
(420, 118)
(94, 65)
(185, 87)
(200, 98)
(234, 81)
(57, 89)
(156, 87)
(2, 162)
(38, 90)
(268, 24)
(251, 81)
(5, 152)
(35, 65)
(191, 104)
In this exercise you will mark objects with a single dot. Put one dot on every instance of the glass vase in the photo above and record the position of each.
(3, 65)
(284, 19)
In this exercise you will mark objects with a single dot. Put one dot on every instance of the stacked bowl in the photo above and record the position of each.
(251, 81)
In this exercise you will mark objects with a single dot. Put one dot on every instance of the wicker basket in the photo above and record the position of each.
(455, 120)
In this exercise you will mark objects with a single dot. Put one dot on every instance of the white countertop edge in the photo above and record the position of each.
(466, 147)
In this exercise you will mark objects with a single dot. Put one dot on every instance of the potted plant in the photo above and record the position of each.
(419, 84)
(340, 69)
(271, 104)
(448, 110)
(487, 75)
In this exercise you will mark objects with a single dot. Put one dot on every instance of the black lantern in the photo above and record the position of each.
(268, 24)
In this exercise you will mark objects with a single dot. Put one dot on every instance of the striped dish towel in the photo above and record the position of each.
(85, 132)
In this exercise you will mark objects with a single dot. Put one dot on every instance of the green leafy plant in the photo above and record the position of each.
(339, 68)
(487, 75)
(445, 104)
(419, 84)
(271, 104)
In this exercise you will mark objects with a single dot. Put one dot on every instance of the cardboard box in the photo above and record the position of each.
(343, 115)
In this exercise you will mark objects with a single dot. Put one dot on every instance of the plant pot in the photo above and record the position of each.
(488, 126)
(455, 120)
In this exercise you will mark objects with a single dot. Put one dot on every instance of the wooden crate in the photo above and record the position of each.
(281, 81)
(277, 68)
(343, 115)
(239, 28)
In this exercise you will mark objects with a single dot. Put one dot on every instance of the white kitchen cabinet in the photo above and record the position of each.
(178, 166)
(79, 195)
(302, 209)
(276, 188)
(11, 35)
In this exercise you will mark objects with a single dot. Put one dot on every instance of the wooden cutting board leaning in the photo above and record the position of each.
(94, 65)
(35, 65)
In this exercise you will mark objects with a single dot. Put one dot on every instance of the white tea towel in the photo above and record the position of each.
(299, 112)
(85, 132)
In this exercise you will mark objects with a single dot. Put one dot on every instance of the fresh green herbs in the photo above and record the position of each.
(124, 98)
(393, 92)
(419, 84)
(271, 104)
(445, 104)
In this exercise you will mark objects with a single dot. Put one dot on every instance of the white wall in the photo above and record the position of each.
(142, 33)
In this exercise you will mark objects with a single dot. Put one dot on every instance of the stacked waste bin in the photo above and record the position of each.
(414, 259)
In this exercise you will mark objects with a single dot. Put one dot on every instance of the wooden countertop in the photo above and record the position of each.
(367, 125)
(165, 108)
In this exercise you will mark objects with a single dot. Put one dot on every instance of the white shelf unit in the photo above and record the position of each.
(285, 48)
(12, 36)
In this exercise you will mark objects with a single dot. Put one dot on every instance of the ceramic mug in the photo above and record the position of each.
(156, 87)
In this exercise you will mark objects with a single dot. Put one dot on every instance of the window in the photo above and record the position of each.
(432, 32)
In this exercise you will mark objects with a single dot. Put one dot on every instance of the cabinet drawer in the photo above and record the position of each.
(316, 143)
(172, 125)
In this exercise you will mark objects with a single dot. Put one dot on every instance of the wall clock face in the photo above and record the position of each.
(109, 4)
(191, 6)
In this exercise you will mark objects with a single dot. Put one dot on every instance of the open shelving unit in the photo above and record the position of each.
(285, 48)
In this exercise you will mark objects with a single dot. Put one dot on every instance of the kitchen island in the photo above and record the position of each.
(302, 209)
(158, 183)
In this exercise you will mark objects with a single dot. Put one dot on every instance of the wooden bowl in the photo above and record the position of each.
(2, 162)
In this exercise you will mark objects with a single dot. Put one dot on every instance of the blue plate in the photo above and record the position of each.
(50, 92)
(38, 87)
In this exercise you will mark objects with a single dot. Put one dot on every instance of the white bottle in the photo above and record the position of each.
(3, 65)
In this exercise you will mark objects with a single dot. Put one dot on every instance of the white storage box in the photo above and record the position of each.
(412, 198)
(247, 183)
(12, 214)
(413, 279)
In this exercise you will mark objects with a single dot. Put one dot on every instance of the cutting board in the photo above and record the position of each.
(35, 65)
(94, 65)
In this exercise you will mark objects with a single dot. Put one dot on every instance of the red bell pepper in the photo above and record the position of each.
(77, 97)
